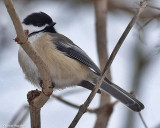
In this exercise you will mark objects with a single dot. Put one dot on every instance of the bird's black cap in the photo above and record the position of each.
(38, 19)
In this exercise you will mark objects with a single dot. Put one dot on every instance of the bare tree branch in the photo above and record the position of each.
(17, 115)
(59, 98)
(95, 110)
(39, 101)
(101, 34)
(151, 6)
(144, 123)
(143, 5)
(24, 117)
(84, 107)
(103, 114)
(73, 91)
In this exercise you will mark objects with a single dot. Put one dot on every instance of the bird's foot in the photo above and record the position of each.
(18, 40)
(53, 85)
(41, 84)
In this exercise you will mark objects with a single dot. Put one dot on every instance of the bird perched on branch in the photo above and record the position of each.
(68, 64)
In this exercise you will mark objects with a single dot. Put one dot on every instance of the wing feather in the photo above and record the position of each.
(73, 51)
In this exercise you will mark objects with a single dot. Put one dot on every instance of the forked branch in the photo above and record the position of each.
(84, 107)
(39, 101)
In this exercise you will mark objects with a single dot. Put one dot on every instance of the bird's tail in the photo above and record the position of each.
(123, 96)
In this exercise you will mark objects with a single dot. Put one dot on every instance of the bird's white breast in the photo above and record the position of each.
(28, 67)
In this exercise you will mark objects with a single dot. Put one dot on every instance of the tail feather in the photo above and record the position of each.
(123, 96)
(88, 85)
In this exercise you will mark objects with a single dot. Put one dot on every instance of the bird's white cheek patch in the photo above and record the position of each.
(32, 28)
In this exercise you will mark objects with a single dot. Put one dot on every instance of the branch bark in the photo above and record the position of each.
(83, 107)
(143, 5)
(23, 111)
(41, 99)
(101, 8)
(101, 34)
(59, 98)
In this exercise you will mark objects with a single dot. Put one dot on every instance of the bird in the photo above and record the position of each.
(68, 64)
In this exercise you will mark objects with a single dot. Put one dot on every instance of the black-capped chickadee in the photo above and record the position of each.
(68, 64)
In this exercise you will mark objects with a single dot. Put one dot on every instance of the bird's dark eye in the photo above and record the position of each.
(49, 29)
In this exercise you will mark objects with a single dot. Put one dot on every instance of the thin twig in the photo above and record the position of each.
(83, 107)
(144, 123)
(72, 92)
(24, 117)
(146, 23)
(17, 115)
(143, 5)
(59, 98)
(151, 6)
(149, 21)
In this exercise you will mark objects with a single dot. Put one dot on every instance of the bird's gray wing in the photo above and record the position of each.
(73, 51)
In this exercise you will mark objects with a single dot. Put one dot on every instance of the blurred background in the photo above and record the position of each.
(135, 68)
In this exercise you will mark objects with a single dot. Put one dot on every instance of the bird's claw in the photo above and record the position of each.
(53, 85)
(18, 40)
(41, 84)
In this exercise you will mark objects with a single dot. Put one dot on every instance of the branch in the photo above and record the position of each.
(24, 118)
(154, 7)
(95, 110)
(72, 92)
(83, 107)
(143, 5)
(23, 111)
(39, 101)
(59, 98)
(101, 8)
(144, 123)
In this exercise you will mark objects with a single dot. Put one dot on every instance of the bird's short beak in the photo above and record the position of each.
(53, 24)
